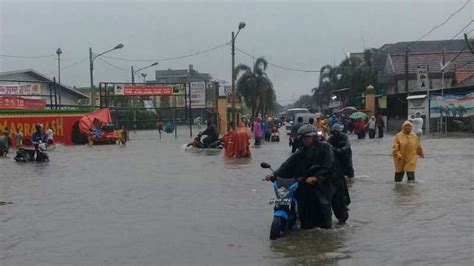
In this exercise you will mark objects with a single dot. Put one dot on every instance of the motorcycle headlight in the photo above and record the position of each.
(42, 147)
(320, 133)
(282, 192)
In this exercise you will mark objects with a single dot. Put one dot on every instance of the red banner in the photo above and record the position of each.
(61, 125)
(144, 90)
(20, 103)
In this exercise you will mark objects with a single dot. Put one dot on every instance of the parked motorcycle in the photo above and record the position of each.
(28, 155)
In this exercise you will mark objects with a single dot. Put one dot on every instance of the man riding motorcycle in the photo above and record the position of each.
(294, 141)
(38, 136)
(342, 149)
(211, 133)
(315, 195)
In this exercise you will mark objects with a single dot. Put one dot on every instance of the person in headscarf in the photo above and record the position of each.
(257, 129)
(372, 127)
(406, 146)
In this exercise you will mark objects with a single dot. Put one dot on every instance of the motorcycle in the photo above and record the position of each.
(28, 155)
(275, 135)
(285, 210)
(3, 152)
(197, 143)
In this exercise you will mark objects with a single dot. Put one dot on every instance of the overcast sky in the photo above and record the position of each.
(295, 34)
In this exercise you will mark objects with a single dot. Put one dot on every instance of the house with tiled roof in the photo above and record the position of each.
(397, 76)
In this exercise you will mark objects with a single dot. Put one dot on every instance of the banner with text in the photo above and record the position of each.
(62, 125)
(143, 90)
(198, 94)
(20, 103)
(24, 89)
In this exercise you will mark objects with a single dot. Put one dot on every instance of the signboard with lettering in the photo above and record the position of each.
(198, 94)
(20, 103)
(24, 89)
(423, 82)
(143, 90)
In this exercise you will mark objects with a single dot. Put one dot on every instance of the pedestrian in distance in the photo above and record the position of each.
(405, 148)
(19, 138)
(257, 130)
(159, 126)
(372, 127)
(417, 122)
(380, 126)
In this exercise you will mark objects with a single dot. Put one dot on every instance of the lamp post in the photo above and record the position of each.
(59, 52)
(234, 36)
(133, 82)
(138, 70)
(92, 57)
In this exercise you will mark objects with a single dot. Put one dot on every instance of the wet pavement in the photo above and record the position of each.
(153, 203)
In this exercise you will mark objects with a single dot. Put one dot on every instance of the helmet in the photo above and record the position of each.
(307, 130)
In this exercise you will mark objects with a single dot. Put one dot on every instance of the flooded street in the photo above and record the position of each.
(153, 203)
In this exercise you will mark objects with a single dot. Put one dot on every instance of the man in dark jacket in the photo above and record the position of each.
(342, 149)
(316, 192)
(294, 141)
(211, 133)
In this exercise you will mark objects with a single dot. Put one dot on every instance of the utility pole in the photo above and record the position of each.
(233, 79)
(91, 68)
(59, 52)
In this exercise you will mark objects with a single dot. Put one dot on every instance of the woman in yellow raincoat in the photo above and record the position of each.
(406, 146)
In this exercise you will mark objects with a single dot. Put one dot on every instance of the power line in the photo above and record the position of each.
(278, 66)
(112, 65)
(461, 31)
(445, 21)
(169, 58)
(75, 63)
(28, 57)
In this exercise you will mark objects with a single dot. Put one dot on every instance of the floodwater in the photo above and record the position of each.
(153, 203)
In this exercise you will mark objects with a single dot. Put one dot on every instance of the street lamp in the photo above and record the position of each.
(138, 70)
(234, 36)
(92, 57)
(59, 52)
(144, 77)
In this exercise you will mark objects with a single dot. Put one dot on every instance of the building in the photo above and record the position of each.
(56, 96)
(396, 68)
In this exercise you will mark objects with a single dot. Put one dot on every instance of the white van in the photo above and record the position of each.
(290, 117)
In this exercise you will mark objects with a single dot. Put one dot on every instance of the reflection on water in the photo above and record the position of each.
(154, 203)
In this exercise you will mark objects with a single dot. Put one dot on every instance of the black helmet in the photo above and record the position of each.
(307, 130)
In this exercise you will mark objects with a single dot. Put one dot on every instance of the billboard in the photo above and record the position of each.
(198, 94)
(20, 103)
(452, 105)
(143, 90)
(62, 125)
(25, 89)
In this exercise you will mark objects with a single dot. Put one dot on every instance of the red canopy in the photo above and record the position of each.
(86, 122)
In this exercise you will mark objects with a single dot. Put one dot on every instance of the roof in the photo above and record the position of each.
(433, 60)
(424, 46)
(40, 77)
(469, 82)
(463, 74)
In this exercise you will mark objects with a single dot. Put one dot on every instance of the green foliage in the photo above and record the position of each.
(255, 87)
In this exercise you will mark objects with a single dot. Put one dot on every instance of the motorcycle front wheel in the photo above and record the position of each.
(278, 228)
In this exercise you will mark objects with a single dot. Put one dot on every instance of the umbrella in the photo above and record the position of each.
(349, 110)
(358, 115)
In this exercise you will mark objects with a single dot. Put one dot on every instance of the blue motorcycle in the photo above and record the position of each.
(285, 205)
(285, 211)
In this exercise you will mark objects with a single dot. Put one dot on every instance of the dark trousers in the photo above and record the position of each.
(399, 176)
(371, 133)
(380, 131)
(258, 140)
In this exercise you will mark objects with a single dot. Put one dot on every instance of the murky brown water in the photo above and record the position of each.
(152, 203)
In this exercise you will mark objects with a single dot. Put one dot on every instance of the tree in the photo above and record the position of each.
(255, 87)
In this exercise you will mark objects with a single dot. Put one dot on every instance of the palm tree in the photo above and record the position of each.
(255, 87)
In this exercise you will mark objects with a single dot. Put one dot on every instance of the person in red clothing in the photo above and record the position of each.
(359, 129)
(229, 140)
